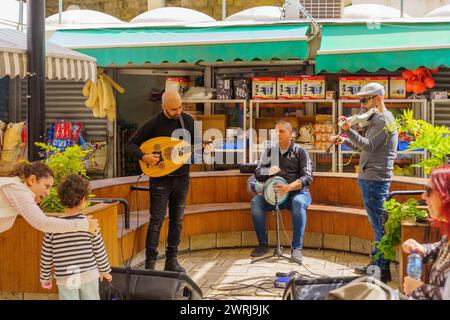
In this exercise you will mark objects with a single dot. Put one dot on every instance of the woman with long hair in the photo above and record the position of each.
(21, 192)
(437, 196)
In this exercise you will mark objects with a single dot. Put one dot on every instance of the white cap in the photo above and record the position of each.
(372, 89)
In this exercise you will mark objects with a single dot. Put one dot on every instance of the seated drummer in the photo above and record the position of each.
(290, 161)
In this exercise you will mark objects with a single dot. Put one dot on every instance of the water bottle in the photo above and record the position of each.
(414, 268)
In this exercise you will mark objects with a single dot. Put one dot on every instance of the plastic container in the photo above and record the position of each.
(414, 267)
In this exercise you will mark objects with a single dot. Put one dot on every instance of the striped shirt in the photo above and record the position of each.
(79, 254)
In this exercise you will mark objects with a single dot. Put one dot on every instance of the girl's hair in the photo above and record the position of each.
(24, 169)
(440, 183)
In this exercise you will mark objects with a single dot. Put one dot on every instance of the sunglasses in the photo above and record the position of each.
(365, 100)
(428, 190)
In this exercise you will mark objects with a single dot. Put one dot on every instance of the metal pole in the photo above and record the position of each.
(36, 77)
(60, 9)
(401, 8)
(21, 15)
(224, 9)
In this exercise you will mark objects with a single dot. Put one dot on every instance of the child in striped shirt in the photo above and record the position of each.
(79, 258)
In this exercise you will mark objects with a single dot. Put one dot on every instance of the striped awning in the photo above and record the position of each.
(61, 63)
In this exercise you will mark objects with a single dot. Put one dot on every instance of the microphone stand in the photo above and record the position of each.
(277, 252)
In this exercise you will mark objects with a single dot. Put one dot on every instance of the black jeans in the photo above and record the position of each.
(172, 191)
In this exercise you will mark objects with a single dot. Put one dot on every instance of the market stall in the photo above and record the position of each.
(61, 64)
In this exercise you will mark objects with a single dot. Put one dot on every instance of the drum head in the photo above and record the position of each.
(254, 187)
(269, 191)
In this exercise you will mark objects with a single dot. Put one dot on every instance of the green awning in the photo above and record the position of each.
(371, 47)
(122, 46)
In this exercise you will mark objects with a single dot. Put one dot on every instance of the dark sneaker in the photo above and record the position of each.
(261, 250)
(150, 264)
(386, 276)
(297, 255)
(364, 270)
(173, 265)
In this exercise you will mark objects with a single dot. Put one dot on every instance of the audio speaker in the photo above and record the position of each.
(314, 289)
(135, 284)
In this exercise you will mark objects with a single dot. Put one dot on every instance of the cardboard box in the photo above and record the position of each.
(397, 88)
(329, 95)
(180, 85)
(264, 88)
(350, 86)
(289, 88)
(384, 81)
(224, 89)
(313, 87)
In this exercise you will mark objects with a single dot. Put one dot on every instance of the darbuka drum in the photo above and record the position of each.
(254, 187)
(269, 190)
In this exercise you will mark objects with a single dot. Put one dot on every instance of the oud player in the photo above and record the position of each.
(170, 190)
(290, 161)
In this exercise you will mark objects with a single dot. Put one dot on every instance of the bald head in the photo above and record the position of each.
(171, 104)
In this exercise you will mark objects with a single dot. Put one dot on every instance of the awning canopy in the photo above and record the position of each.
(122, 46)
(61, 63)
(374, 46)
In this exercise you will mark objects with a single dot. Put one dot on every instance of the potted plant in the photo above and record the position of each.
(396, 213)
(69, 161)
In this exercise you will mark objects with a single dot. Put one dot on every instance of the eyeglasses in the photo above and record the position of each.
(365, 100)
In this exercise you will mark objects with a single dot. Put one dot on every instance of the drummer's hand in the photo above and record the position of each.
(282, 189)
(274, 170)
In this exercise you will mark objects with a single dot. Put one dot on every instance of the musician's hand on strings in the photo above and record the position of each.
(150, 159)
(346, 124)
(274, 170)
(337, 140)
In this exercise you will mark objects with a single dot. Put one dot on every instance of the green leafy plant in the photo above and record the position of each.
(433, 139)
(396, 213)
(69, 161)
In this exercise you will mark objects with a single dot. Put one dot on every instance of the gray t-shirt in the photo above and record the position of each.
(378, 147)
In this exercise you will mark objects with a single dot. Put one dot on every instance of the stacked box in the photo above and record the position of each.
(313, 87)
(224, 89)
(180, 85)
(384, 81)
(264, 88)
(350, 86)
(397, 88)
(289, 88)
(242, 88)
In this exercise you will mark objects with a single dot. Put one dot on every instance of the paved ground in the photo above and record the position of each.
(228, 274)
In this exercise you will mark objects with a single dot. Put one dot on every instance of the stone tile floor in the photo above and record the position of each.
(227, 274)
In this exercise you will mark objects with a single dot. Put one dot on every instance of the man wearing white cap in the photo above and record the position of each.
(378, 147)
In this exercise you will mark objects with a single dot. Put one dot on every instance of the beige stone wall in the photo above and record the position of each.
(121, 9)
(128, 9)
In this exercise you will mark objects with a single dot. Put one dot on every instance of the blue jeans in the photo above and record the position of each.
(374, 195)
(297, 202)
(86, 291)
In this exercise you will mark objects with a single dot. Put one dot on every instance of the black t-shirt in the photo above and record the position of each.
(161, 126)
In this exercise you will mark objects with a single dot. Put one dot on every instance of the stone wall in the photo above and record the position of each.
(128, 9)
